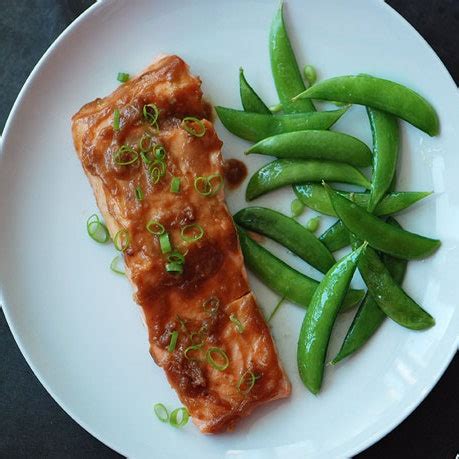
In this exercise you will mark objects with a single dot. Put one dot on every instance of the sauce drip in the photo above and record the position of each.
(235, 172)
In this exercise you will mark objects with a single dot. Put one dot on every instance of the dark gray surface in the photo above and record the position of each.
(32, 425)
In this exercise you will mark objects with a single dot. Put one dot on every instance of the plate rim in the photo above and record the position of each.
(351, 451)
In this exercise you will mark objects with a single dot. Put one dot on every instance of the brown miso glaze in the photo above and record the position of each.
(235, 172)
(213, 264)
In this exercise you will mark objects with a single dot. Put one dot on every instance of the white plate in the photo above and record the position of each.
(75, 321)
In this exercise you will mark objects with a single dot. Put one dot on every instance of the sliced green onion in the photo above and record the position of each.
(165, 243)
(175, 185)
(313, 224)
(310, 74)
(157, 170)
(276, 308)
(151, 114)
(122, 77)
(173, 341)
(114, 266)
(194, 347)
(155, 175)
(199, 335)
(176, 257)
(145, 155)
(125, 155)
(179, 417)
(160, 152)
(139, 193)
(183, 326)
(211, 305)
(222, 366)
(276, 108)
(192, 233)
(207, 186)
(193, 126)
(161, 412)
(116, 120)
(176, 268)
(154, 227)
(121, 240)
(97, 230)
(296, 207)
(246, 382)
(145, 143)
(237, 323)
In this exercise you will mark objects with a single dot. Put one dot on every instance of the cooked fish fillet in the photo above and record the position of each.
(210, 304)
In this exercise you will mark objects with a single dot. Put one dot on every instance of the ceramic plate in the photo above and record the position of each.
(75, 320)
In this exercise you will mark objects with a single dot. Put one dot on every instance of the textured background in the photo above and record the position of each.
(32, 425)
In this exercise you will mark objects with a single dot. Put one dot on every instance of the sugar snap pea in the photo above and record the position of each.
(282, 278)
(336, 237)
(379, 234)
(389, 296)
(378, 93)
(320, 317)
(369, 317)
(287, 232)
(257, 126)
(281, 172)
(384, 128)
(315, 196)
(286, 74)
(251, 101)
(315, 144)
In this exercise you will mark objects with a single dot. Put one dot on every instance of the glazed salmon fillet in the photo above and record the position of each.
(224, 362)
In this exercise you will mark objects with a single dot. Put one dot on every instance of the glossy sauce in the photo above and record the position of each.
(235, 172)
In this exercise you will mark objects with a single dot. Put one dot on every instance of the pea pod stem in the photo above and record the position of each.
(284, 172)
(282, 278)
(287, 232)
(251, 101)
(379, 234)
(369, 316)
(285, 71)
(258, 126)
(384, 128)
(380, 94)
(320, 317)
(315, 144)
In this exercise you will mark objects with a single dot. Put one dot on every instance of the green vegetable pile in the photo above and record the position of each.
(308, 157)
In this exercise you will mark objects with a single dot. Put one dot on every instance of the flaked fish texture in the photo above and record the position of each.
(224, 362)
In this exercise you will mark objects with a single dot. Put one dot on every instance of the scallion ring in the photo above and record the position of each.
(191, 233)
(154, 227)
(97, 230)
(174, 268)
(246, 382)
(151, 113)
(160, 152)
(173, 341)
(175, 185)
(122, 77)
(161, 412)
(116, 120)
(211, 305)
(176, 257)
(224, 360)
(139, 193)
(194, 347)
(125, 155)
(193, 126)
(155, 175)
(179, 417)
(114, 266)
(210, 185)
(165, 243)
(237, 323)
(121, 240)
(145, 142)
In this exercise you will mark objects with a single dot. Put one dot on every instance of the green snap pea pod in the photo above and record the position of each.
(384, 128)
(379, 234)
(258, 126)
(378, 93)
(369, 317)
(389, 296)
(249, 98)
(336, 237)
(320, 317)
(282, 278)
(315, 144)
(281, 172)
(286, 74)
(287, 232)
(316, 197)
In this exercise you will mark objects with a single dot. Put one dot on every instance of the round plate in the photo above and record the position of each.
(75, 320)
